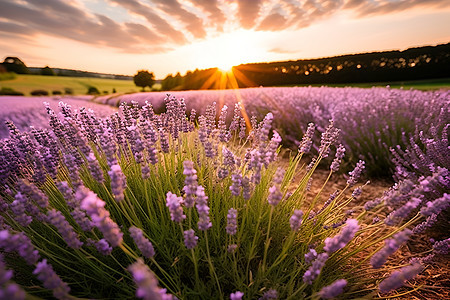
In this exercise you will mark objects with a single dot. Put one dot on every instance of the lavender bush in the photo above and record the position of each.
(141, 204)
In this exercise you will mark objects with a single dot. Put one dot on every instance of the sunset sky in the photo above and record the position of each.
(170, 36)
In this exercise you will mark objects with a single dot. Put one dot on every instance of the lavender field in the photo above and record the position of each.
(207, 194)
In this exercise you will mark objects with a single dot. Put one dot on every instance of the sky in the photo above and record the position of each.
(170, 36)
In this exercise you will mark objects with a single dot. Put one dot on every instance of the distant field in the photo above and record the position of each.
(79, 85)
(429, 84)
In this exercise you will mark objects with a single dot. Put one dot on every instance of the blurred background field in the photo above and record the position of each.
(79, 85)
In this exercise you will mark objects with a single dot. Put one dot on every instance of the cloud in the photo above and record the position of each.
(273, 22)
(159, 25)
(282, 50)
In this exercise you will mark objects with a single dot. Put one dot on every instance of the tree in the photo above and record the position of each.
(47, 71)
(14, 64)
(144, 78)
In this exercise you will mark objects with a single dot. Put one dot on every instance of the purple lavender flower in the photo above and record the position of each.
(339, 241)
(232, 248)
(12, 291)
(81, 219)
(275, 195)
(231, 221)
(103, 247)
(18, 207)
(147, 284)
(236, 185)
(94, 168)
(329, 136)
(314, 270)
(246, 188)
(190, 183)
(236, 295)
(174, 205)
(398, 278)
(391, 245)
(203, 210)
(356, 173)
(436, 206)
(21, 243)
(296, 220)
(305, 144)
(442, 247)
(118, 182)
(333, 290)
(94, 207)
(271, 152)
(425, 224)
(310, 256)
(269, 295)
(190, 240)
(144, 245)
(45, 273)
(340, 152)
(56, 218)
(403, 211)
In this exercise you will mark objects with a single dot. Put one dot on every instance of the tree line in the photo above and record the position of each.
(429, 62)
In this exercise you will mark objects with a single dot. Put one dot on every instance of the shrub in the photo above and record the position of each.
(10, 92)
(68, 91)
(56, 92)
(209, 213)
(39, 93)
(92, 90)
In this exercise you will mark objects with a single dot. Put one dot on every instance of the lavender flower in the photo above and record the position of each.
(94, 207)
(232, 248)
(231, 221)
(340, 152)
(305, 144)
(328, 138)
(236, 295)
(18, 208)
(190, 240)
(314, 270)
(269, 295)
(296, 219)
(12, 291)
(190, 183)
(236, 185)
(20, 243)
(147, 284)
(310, 256)
(339, 241)
(174, 205)
(144, 245)
(203, 209)
(56, 218)
(442, 247)
(333, 290)
(103, 247)
(356, 173)
(45, 273)
(425, 224)
(275, 195)
(391, 245)
(118, 182)
(436, 206)
(398, 278)
(95, 168)
(403, 211)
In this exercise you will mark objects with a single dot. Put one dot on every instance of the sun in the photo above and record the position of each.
(229, 49)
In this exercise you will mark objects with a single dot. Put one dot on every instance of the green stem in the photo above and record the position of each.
(211, 266)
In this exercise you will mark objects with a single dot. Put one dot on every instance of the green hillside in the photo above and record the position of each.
(79, 85)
